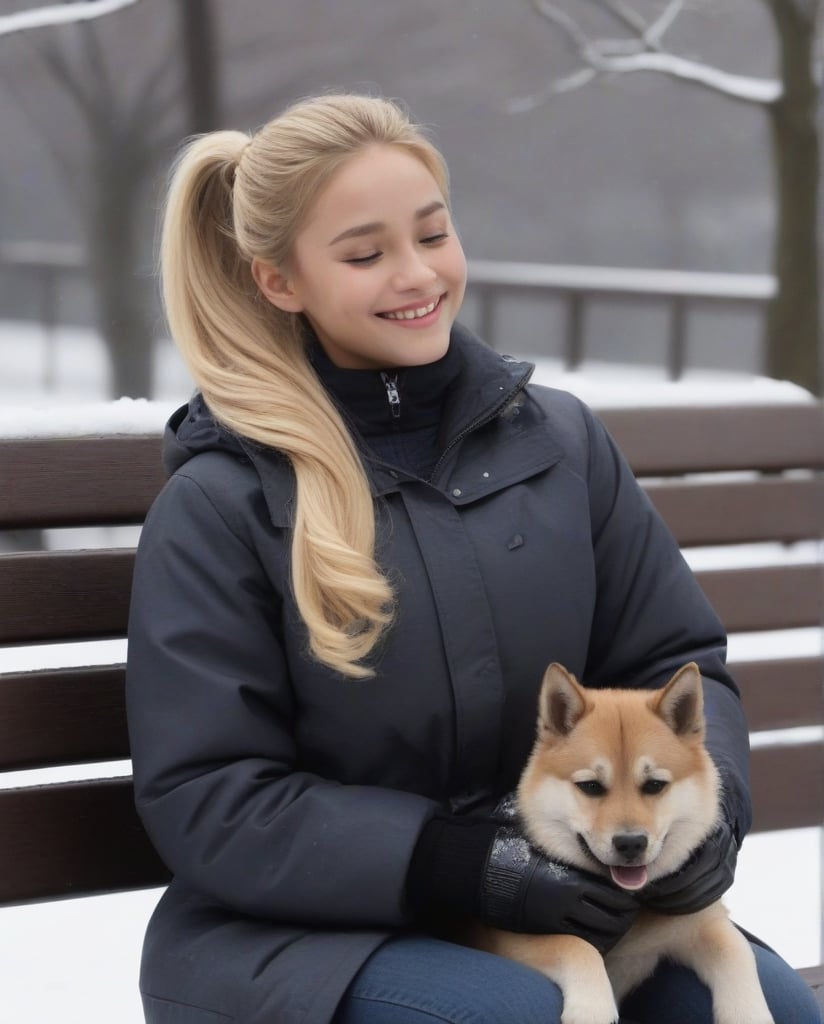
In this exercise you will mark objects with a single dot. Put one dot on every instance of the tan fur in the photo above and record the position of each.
(622, 739)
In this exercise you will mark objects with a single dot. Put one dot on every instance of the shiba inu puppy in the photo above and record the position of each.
(620, 783)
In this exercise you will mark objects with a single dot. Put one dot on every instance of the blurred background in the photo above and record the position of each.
(659, 218)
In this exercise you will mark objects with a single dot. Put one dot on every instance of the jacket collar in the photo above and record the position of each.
(488, 389)
(486, 384)
(489, 392)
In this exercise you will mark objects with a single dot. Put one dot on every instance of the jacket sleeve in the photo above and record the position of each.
(651, 616)
(210, 709)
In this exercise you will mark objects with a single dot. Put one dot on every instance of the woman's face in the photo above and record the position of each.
(377, 268)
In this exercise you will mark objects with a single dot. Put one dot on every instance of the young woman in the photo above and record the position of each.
(375, 537)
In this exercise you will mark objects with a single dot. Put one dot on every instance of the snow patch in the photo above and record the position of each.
(84, 419)
(611, 385)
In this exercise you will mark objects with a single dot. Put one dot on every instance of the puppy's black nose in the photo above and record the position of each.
(630, 845)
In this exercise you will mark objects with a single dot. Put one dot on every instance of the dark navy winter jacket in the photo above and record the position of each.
(272, 786)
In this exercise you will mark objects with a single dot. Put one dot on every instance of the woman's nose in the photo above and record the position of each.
(413, 271)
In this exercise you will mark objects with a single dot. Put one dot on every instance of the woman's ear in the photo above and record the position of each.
(274, 286)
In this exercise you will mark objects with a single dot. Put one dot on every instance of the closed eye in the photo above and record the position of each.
(591, 787)
(652, 787)
(364, 261)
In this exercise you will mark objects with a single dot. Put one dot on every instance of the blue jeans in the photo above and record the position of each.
(420, 980)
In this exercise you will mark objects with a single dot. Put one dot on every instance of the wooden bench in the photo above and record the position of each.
(720, 476)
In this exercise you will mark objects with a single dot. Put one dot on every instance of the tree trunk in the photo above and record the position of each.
(793, 329)
(122, 292)
(200, 60)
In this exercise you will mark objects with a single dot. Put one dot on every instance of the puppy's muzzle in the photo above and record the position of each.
(630, 846)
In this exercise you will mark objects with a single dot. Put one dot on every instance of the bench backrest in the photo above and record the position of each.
(752, 475)
(719, 475)
(73, 838)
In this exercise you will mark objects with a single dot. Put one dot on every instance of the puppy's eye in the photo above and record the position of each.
(592, 787)
(652, 787)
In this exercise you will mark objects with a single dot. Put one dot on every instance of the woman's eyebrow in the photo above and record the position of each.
(367, 229)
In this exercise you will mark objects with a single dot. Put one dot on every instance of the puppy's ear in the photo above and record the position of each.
(681, 702)
(562, 703)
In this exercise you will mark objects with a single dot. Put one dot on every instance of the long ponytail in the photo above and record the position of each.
(233, 197)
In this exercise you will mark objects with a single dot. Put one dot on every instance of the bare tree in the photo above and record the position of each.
(128, 133)
(108, 185)
(791, 101)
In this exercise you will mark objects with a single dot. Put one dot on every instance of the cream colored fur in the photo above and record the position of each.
(624, 740)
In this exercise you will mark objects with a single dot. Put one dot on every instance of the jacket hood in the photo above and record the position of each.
(192, 429)
(488, 382)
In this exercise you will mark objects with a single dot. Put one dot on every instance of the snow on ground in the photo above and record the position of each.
(77, 960)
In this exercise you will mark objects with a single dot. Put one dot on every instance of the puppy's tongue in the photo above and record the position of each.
(629, 878)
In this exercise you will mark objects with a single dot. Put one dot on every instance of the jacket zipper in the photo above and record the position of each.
(484, 418)
(392, 394)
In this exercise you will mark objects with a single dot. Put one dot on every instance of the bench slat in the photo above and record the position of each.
(103, 480)
(787, 786)
(85, 595)
(73, 839)
(62, 716)
(781, 693)
(78, 715)
(668, 441)
(114, 479)
(77, 595)
(766, 597)
(78, 838)
(769, 508)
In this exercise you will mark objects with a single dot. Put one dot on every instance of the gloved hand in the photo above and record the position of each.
(489, 870)
(701, 881)
(521, 890)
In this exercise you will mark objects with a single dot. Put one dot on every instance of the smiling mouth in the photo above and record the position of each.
(626, 876)
(415, 313)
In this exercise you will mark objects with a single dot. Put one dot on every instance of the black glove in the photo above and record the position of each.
(491, 871)
(701, 881)
(524, 891)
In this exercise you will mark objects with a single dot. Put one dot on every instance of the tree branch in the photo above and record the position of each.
(652, 34)
(740, 87)
(644, 52)
(59, 14)
(655, 33)
(625, 15)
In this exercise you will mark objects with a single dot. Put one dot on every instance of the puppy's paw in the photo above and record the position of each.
(594, 1007)
(752, 1009)
(743, 1018)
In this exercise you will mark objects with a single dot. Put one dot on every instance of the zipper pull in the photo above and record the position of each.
(392, 394)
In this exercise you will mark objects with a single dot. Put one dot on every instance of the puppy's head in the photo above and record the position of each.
(619, 781)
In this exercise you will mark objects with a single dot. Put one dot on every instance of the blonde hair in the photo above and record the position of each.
(234, 197)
